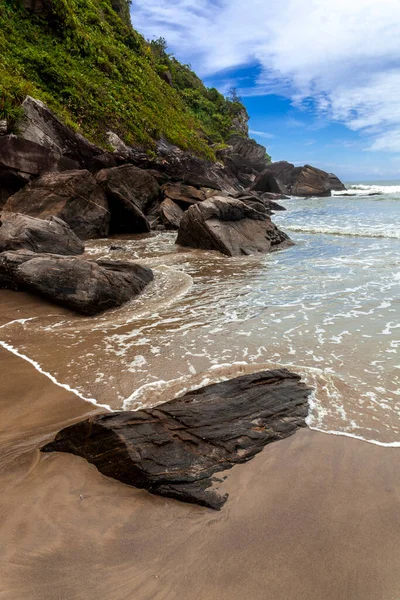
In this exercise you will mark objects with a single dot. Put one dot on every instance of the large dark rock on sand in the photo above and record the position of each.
(73, 196)
(131, 192)
(231, 227)
(85, 286)
(175, 448)
(38, 235)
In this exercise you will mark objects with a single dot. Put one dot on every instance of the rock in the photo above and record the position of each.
(26, 159)
(179, 165)
(171, 214)
(274, 178)
(38, 235)
(231, 227)
(335, 184)
(3, 126)
(184, 195)
(131, 192)
(73, 196)
(273, 196)
(119, 146)
(285, 178)
(250, 150)
(167, 77)
(40, 125)
(260, 202)
(311, 182)
(240, 123)
(85, 286)
(175, 448)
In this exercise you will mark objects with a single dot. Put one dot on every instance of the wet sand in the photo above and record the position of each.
(313, 517)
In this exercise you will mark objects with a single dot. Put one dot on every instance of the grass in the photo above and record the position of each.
(87, 63)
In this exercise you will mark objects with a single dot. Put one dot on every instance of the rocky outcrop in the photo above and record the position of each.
(22, 160)
(283, 177)
(335, 183)
(311, 182)
(40, 125)
(73, 196)
(131, 192)
(171, 214)
(182, 166)
(184, 195)
(38, 235)
(175, 448)
(85, 286)
(231, 227)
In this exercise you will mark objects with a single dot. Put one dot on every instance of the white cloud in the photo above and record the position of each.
(261, 133)
(341, 57)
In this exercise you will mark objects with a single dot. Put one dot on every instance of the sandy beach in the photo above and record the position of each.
(311, 517)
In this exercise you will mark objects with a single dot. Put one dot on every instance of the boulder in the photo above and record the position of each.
(22, 160)
(335, 183)
(231, 227)
(275, 178)
(283, 177)
(184, 195)
(85, 286)
(255, 154)
(40, 125)
(131, 192)
(175, 448)
(179, 165)
(38, 235)
(171, 214)
(73, 196)
(311, 182)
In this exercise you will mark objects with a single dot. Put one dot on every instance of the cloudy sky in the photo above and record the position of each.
(320, 79)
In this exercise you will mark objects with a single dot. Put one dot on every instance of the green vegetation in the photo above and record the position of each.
(86, 62)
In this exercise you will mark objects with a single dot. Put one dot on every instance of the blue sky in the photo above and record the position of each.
(320, 80)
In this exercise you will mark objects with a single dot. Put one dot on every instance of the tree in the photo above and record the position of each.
(233, 95)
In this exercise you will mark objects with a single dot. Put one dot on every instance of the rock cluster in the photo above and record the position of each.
(85, 286)
(50, 170)
(175, 448)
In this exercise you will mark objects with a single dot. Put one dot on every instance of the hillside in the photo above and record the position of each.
(86, 62)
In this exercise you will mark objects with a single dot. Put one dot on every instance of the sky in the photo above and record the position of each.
(320, 79)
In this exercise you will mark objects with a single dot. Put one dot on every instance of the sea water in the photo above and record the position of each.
(327, 308)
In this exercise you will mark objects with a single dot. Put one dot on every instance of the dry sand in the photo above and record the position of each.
(313, 517)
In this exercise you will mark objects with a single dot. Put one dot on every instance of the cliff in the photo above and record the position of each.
(85, 61)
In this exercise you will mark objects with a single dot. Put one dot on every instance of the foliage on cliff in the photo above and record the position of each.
(86, 62)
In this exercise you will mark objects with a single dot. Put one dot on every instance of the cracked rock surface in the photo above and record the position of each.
(174, 449)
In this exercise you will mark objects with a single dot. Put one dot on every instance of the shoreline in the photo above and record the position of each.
(309, 517)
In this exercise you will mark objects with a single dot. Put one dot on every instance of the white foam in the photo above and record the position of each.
(38, 368)
(391, 233)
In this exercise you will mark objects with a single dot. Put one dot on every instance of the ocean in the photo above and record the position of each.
(327, 308)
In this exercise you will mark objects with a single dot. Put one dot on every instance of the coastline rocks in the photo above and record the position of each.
(283, 177)
(170, 213)
(21, 160)
(73, 196)
(131, 192)
(174, 449)
(182, 194)
(87, 287)
(311, 182)
(38, 235)
(40, 125)
(231, 227)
